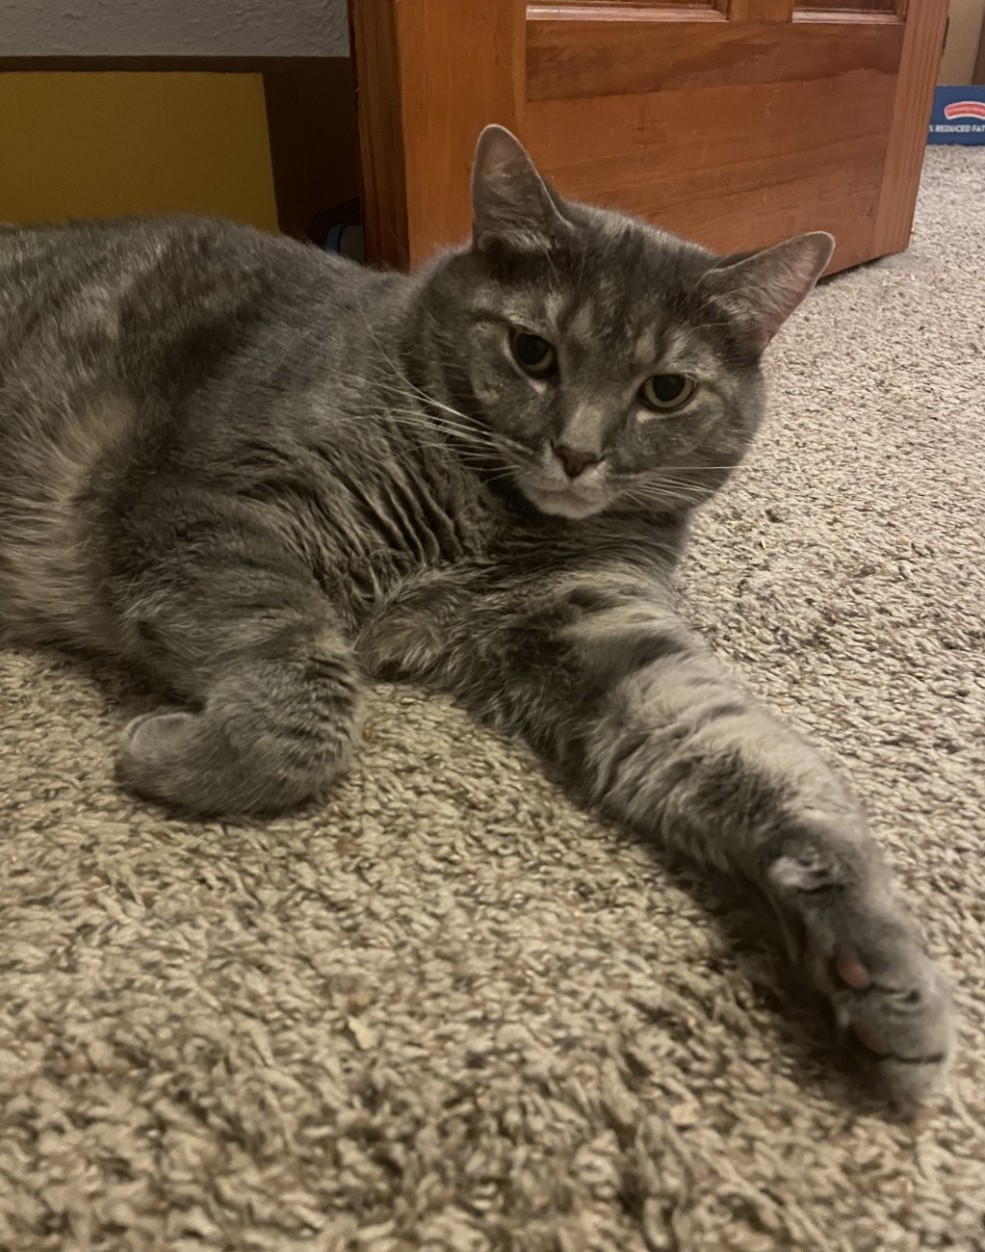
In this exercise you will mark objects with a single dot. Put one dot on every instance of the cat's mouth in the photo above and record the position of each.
(550, 488)
(569, 500)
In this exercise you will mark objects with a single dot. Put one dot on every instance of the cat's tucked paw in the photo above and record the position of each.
(271, 735)
(151, 733)
(164, 757)
(201, 763)
(890, 997)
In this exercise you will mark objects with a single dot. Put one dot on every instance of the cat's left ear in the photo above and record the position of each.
(759, 291)
(511, 203)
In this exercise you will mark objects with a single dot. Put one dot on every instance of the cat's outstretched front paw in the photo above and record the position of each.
(864, 953)
(890, 997)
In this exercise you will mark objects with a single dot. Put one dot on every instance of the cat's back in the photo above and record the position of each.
(109, 332)
(118, 287)
(101, 321)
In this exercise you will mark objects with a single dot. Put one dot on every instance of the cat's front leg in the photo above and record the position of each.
(603, 680)
(273, 692)
(268, 734)
(679, 751)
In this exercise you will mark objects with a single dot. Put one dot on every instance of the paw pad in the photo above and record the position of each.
(853, 973)
(869, 1040)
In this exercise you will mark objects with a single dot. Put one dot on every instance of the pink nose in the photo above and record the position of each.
(574, 462)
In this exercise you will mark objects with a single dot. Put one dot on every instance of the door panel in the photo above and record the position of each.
(735, 133)
(656, 162)
(586, 60)
(735, 122)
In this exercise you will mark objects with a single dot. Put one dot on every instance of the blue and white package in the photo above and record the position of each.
(958, 115)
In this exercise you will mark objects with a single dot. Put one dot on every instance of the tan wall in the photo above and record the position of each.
(961, 49)
(87, 144)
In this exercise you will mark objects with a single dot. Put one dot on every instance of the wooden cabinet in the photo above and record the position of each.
(734, 122)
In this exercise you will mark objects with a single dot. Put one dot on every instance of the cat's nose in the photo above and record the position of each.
(574, 462)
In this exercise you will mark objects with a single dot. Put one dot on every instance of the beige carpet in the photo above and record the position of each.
(451, 1012)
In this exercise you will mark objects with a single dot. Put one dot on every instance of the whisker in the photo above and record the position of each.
(413, 421)
(659, 493)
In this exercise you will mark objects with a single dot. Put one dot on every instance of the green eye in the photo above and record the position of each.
(663, 392)
(535, 356)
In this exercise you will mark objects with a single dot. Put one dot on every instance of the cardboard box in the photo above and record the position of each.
(965, 22)
(958, 114)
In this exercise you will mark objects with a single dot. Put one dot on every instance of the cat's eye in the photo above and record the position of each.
(664, 392)
(535, 356)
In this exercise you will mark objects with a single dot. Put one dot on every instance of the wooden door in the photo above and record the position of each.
(734, 122)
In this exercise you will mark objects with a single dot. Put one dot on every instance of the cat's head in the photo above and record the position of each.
(609, 363)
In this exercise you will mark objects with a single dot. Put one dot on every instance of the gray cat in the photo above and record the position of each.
(262, 476)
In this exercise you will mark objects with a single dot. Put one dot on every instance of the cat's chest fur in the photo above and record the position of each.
(391, 513)
(381, 512)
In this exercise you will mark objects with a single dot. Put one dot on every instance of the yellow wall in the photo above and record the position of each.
(83, 145)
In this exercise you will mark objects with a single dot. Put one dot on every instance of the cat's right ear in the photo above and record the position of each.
(759, 290)
(512, 205)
